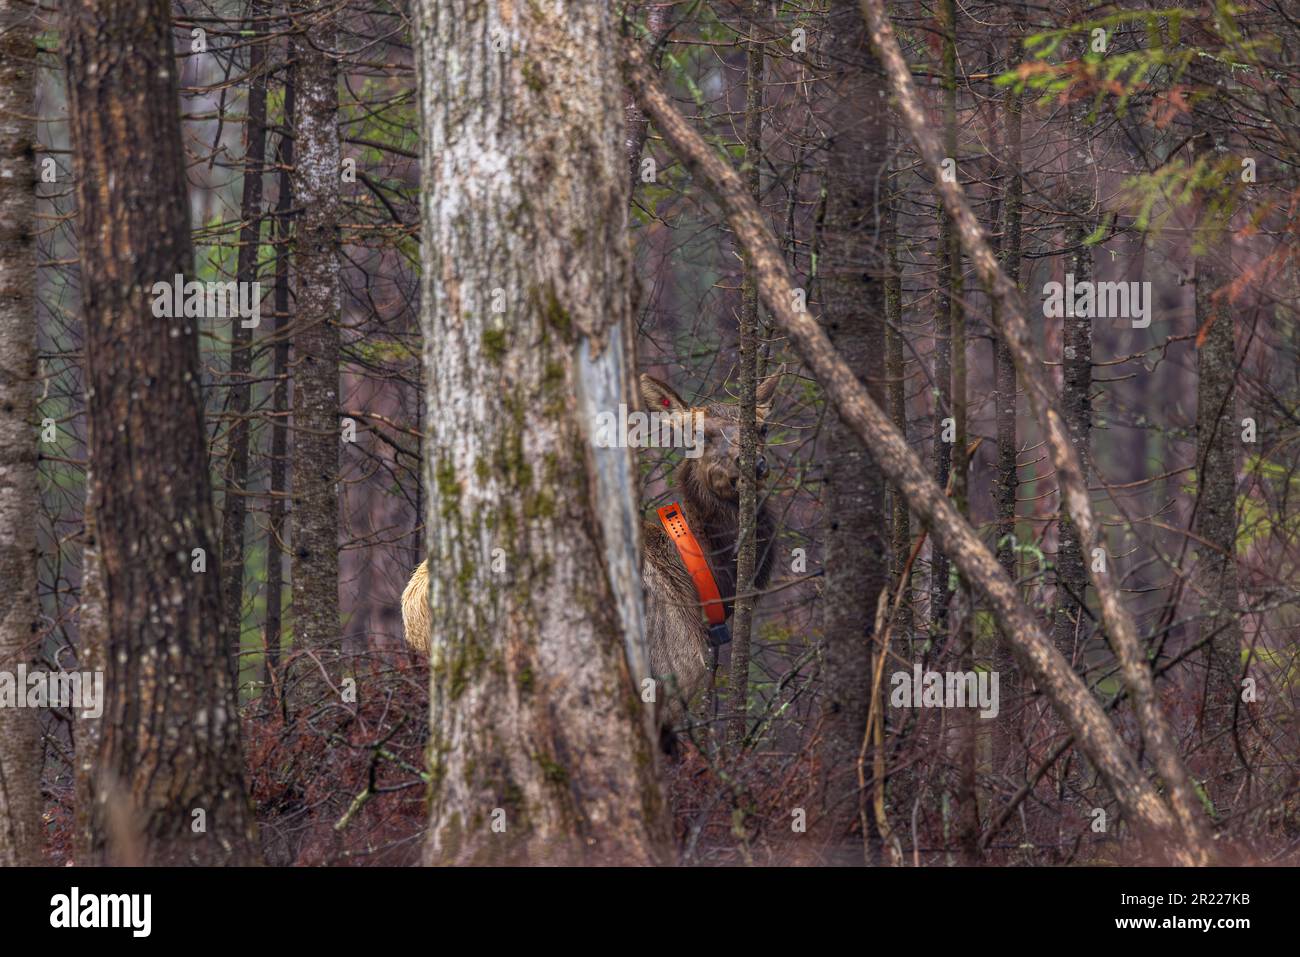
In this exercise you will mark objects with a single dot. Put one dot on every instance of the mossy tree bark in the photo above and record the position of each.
(20, 735)
(168, 753)
(541, 748)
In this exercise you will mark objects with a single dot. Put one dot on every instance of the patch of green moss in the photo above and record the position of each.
(444, 475)
(551, 769)
(533, 78)
(539, 505)
(525, 679)
(465, 577)
(465, 662)
(555, 314)
(494, 345)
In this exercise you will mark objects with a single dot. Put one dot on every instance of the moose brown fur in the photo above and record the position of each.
(707, 488)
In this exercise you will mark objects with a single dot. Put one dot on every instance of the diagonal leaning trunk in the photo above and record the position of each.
(1161, 830)
(540, 749)
(1118, 623)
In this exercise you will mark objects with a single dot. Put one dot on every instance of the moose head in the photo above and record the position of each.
(715, 472)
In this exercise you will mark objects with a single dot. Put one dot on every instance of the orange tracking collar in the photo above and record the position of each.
(697, 566)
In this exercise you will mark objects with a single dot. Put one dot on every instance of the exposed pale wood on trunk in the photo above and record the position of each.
(537, 723)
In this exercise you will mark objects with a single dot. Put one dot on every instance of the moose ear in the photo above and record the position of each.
(765, 392)
(660, 395)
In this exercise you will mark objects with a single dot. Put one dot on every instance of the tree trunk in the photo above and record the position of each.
(746, 541)
(947, 322)
(235, 506)
(1215, 523)
(856, 520)
(169, 777)
(317, 174)
(20, 732)
(895, 373)
(541, 747)
(638, 125)
(1006, 485)
(1069, 617)
(1076, 396)
(279, 397)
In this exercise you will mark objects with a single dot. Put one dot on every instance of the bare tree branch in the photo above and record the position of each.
(1078, 708)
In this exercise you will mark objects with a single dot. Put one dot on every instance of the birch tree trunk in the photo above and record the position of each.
(541, 748)
(315, 371)
(20, 734)
(168, 785)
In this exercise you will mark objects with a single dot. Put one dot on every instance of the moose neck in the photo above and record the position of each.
(716, 523)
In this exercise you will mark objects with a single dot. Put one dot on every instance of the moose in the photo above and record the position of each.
(707, 487)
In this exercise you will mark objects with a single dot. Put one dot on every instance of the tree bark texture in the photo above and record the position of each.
(856, 516)
(21, 835)
(168, 776)
(317, 174)
(541, 748)
(235, 506)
